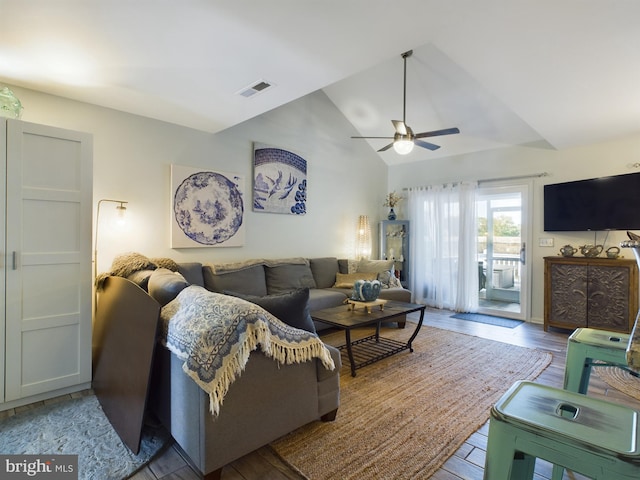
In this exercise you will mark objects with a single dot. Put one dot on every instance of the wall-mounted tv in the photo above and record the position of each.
(607, 203)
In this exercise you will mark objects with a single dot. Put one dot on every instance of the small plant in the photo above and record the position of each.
(392, 199)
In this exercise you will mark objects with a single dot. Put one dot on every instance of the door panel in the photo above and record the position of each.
(48, 311)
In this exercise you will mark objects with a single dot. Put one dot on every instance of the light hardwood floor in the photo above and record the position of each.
(467, 463)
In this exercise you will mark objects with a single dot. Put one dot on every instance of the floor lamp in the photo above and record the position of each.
(363, 238)
(121, 209)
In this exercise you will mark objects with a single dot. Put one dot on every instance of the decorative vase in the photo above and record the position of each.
(392, 214)
(366, 290)
(10, 106)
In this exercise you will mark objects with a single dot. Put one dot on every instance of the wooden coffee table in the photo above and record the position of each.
(368, 350)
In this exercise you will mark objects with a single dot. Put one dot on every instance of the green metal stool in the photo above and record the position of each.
(588, 347)
(587, 435)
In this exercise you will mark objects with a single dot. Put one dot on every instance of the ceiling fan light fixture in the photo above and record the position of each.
(403, 147)
(404, 139)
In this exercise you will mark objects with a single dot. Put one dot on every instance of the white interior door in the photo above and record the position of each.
(3, 160)
(48, 259)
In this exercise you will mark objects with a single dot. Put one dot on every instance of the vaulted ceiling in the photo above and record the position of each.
(546, 73)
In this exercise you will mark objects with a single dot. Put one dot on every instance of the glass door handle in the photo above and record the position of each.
(523, 253)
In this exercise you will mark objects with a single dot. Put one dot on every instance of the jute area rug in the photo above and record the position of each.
(78, 426)
(402, 417)
(619, 379)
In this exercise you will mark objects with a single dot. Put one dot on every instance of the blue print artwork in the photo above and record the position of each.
(208, 208)
(280, 181)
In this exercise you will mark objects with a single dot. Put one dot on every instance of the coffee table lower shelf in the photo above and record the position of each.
(368, 350)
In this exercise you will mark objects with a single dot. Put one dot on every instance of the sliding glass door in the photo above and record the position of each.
(502, 250)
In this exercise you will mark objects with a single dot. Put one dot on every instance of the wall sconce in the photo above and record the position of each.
(121, 210)
(363, 238)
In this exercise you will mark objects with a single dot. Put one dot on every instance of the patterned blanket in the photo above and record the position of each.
(214, 335)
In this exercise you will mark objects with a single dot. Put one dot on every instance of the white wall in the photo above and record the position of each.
(596, 160)
(132, 158)
(133, 154)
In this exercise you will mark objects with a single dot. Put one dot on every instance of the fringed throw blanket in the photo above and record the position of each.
(214, 335)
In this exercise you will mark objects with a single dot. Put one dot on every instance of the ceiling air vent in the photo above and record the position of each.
(255, 88)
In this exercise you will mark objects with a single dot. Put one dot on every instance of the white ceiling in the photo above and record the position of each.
(548, 73)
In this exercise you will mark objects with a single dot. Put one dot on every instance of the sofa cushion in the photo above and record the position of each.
(249, 281)
(397, 294)
(321, 298)
(288, 277)
(292, 308)
(192, 272)
(165, 285)
(324, 271)
(346, 280)
(348, 265)
(374, 265)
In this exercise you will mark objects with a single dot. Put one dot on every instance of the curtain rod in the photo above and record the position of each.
(487, 180)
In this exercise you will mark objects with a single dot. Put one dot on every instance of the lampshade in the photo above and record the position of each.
(363, 238)
(403, 147)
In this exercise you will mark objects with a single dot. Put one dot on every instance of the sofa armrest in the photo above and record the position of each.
(329, 385)
(323, 373)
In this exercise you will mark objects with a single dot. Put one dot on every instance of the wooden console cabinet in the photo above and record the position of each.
(590, 292)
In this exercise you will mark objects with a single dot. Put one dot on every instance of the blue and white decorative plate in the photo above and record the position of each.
(279, 182)
(208, 208)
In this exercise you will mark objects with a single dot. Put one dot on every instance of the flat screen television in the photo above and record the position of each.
(607, 203)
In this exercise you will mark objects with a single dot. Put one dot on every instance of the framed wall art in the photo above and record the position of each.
(279, 181)
(207, 208)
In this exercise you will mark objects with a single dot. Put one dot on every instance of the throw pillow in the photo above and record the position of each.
(388, 279)
(165, 285)
(141, 278)
(385, 278)
(374, 265)
(287, 277)
(324, 271)
(346, 280)
(292, 308)
(394, 282)
(250, 280)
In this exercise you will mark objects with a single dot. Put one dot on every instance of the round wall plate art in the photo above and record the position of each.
(279, 181)
(207, 208)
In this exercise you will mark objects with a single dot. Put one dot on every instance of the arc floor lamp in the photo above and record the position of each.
(121, 209)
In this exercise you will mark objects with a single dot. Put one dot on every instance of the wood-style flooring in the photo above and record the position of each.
(466, 463)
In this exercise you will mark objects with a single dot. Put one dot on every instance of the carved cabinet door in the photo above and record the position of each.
(608, 297)
(569, 295)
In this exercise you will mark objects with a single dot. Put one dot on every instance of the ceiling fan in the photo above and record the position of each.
(404, 139)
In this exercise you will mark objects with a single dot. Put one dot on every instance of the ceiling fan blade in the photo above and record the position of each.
(435, 133)
(386, 147)
(400, 126)
(386, 138)
(429, 146)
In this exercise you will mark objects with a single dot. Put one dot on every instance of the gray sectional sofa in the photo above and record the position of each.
(268, 400)
(329, 279)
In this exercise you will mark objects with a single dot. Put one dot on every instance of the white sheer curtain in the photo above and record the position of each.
(444, 266)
